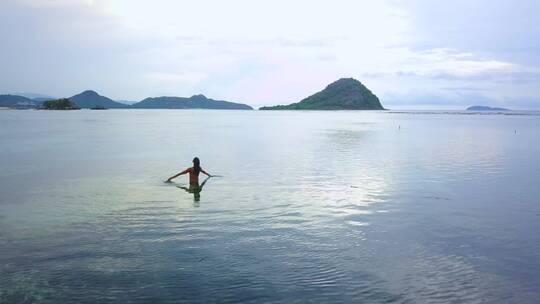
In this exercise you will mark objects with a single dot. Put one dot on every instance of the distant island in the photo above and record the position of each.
(92, 100)
(343, 94)
(60, 104)
(194, 102)
(17, 102)
(485, 108)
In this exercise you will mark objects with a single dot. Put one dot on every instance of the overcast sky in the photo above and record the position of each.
(415, 53)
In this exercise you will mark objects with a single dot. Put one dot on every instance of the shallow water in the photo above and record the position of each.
(374, 207)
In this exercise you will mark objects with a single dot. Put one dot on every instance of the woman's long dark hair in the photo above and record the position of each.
(196, 165)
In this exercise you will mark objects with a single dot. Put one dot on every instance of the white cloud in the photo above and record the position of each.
(184, 79)
(260, 52)
(452, 62)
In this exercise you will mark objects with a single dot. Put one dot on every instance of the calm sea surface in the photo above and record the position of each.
(363, 207)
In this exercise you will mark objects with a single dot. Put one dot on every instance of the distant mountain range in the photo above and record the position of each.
(90, 99)
(343, 94)
(34, 95)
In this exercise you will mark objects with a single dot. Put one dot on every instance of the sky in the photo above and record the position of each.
(411, 54)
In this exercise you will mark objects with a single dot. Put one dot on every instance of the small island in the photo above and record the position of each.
(485, 108)
(60, 104)
(343, 94)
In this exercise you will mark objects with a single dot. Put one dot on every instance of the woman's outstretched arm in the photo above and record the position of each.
(177, 175)
(209, 175)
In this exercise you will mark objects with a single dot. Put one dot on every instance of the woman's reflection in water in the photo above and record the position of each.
(195, 189)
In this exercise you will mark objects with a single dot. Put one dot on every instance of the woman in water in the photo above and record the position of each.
(193, 173)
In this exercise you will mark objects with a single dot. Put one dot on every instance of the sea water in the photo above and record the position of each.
(338, 206)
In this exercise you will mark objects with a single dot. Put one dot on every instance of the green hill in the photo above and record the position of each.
(60, 104)
(344, 94)
(90, 99)
(193, 102)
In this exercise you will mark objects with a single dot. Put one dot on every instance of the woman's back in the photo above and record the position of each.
(193, 175)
